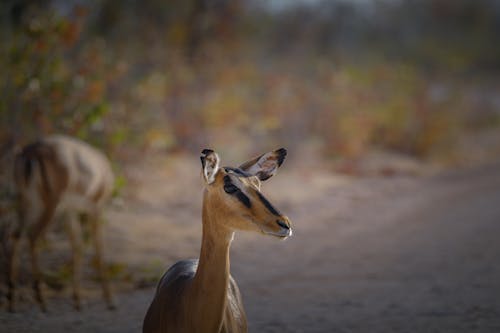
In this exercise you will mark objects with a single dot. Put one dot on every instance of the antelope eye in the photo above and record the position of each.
(230, 188)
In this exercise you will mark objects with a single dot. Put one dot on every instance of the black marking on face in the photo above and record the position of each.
(232, 189)
(282, 224)
(238, 171)
(243, 198)
(268, 204)
(229, 187)
(281, 155)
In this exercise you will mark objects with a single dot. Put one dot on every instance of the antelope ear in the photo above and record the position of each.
(209, 164)
(266, 165)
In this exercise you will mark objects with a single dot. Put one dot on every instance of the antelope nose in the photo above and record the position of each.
(283, 224)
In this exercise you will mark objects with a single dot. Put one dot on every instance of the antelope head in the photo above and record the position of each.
(233, 196)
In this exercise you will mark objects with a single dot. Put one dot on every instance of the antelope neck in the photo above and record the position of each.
(211, 280)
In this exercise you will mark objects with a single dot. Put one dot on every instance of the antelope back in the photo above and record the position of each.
(63, 171)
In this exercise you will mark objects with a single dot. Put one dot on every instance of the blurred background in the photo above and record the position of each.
(403, 75)
(375, 101)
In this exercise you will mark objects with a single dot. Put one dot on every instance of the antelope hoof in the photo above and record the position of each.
(77, 305)
(40, 298)
(12, 302)
(43, 307)
(12, 307)
(111, 306)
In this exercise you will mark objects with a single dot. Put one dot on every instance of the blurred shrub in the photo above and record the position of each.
(388, 106)
(53, 82)
(154, 75)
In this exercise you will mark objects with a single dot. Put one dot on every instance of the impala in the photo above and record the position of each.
(58, 175)
(201, 295)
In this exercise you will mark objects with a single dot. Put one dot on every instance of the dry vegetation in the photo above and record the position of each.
(138, 76)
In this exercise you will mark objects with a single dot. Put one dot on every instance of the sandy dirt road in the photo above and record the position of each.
(398, 254)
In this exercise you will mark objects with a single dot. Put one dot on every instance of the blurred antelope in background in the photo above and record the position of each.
(201, 295)
(58, 175)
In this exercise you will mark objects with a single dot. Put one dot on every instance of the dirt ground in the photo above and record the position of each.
(411, 252)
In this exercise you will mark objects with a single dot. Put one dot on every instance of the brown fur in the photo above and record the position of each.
(41, 171)
(97, 196)
(201, 296)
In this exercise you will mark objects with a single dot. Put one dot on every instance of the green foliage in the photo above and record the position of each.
(120, 183)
